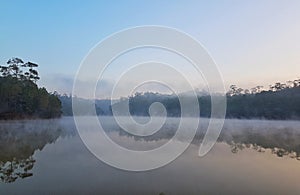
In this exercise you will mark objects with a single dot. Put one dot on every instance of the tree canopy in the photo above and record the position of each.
(280, 101)
(20, 97)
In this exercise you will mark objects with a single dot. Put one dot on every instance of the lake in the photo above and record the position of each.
(250, 157)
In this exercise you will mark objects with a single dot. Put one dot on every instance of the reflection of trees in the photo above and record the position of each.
(11, 170)
(18, 142)
(280, 152)
(282, 138)
(280, 141)
(235, 147)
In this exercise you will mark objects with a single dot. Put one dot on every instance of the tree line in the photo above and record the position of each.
(20, 97)
(280, 101)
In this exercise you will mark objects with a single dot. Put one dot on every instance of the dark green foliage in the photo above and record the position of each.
(282, 101)
(20, 97)
(139, 103)
(279, 104)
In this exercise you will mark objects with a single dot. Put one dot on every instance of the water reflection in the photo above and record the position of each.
(11, 170)
(281, 138)
(280, 152)
(18, 142)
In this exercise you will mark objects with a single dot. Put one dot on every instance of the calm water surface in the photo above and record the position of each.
(251, 156)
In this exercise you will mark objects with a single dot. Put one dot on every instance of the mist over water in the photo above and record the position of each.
(251, 156)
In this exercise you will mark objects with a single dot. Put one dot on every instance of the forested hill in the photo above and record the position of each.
(280, 101)
(20, 97)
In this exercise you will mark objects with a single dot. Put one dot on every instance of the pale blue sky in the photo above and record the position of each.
(253, 42)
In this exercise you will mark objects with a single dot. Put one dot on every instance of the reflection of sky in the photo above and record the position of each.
(254, 42)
